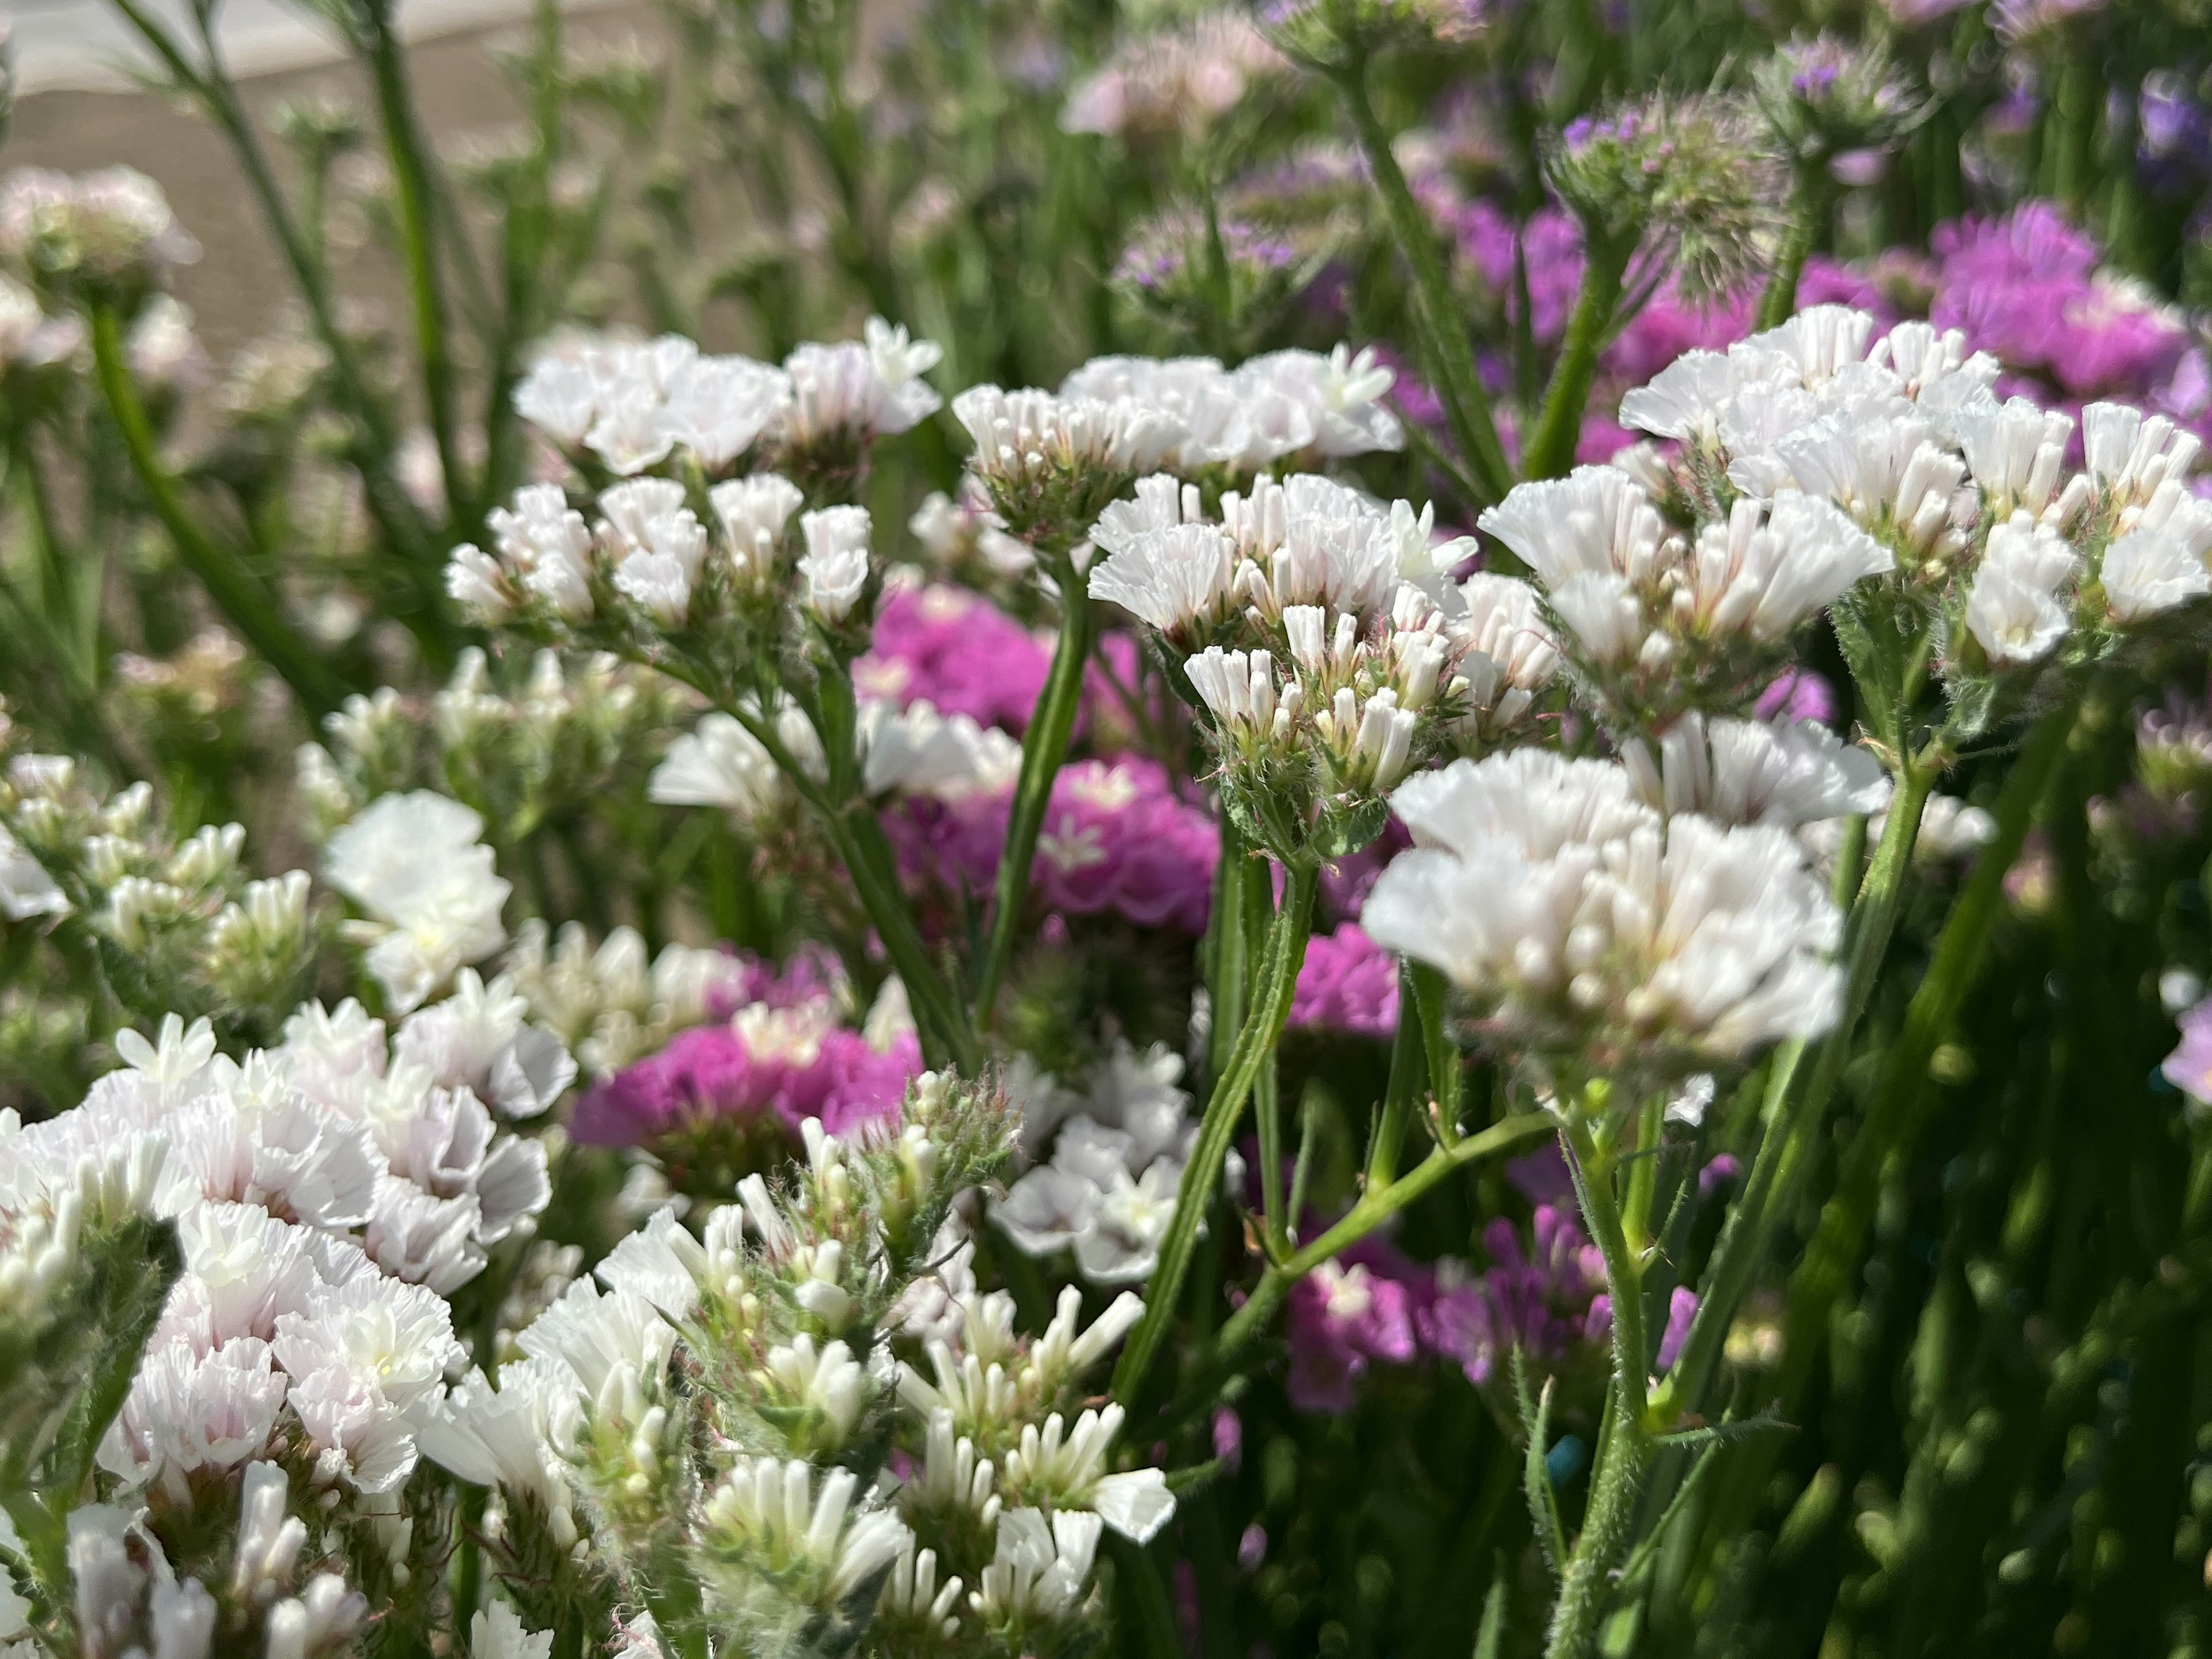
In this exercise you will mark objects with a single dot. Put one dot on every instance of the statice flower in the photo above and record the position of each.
(726, 1095)
(1347, 983)
(429, 896)
(845, 395)
(1785, 773)
(1293, 407)
(1657, 621)
(112, 229)
(1587, 928)
(1051, 464)
(2189, 1067)
(1825, 95)
(1342, 1317)
(631, 405)
(1109, 1190)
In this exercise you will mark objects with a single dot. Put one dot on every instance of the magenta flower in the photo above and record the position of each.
(1799, 694)
(957, 651)
(1342, 1317)
(1349, 983)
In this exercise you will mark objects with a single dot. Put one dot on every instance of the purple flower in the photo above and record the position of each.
(959, 652)
(752, 1081)
(1349, 983)
(1116, 839)
(1228, 1437)
(2189, 1067)
(1341, 1317)
(1799, 694)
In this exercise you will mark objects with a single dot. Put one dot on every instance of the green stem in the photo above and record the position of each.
(1625, 1450)
(1044, 747)
(417, 205)
(1797, 1098)
(1550, 450)
(1444, 343)
(1409, 1071)
(235, 589)
(1808, 212)
(1888, 1129)
(1375, 1207)
(1201, 1176)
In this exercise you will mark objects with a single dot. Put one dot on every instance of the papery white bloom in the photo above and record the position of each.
(1238, 689)
(915, 750)
(717, 407)
(513, 1437)
(1024, 435)
(546, 545)
(1936, 369)
(613, 1346)
(1225, 423)
(1179, 579)
(2015, 451)
(913, 1593)
(872, 387)
(26, 890)
(1039, 1570)
(660, 1263)
(1762, 575)
(496, 1633)
(1597, 520)
(1889, 475)
(1312, 541)
(1820, 341)
(836, 564)
(414, 863)
(1064, 1466)
(1119, 1240)
(2133, 456)
(718, 763)
(827, 1382)
(753, 512)
(2149, 572)
(189, 1411)
(1506, 653)
(1541, 888)
(627, 433)
(1785, 773)
(657, 557)
(477, 1039)
(557, 396)
(2013, 609)
(316, 1621)
(821, 1546)
(1340, 395)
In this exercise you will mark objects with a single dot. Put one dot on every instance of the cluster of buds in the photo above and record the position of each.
(611, 1003)
(1690, 181)
(1826, 96)
(175, 921)
(556, 745)
(108, 234)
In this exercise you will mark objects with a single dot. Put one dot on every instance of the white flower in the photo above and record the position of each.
(1021, 436)
(613, 1346)
(556, 397)
(546, 546)
(1890, 475)
(718, 763)
(1238, 689)
(1312, 541)
(819, 1546)
(1570, 910)
(627, 433)
(915, 750)
(753, 511)
(1506, 653)
(829, 1383)
(1065, 1467)
(2148, 572)
(414, 863)
(496, 1633)
(657, 561)
(1597, 520)
(269, 1540)
(2013, 609)
(2133, 457)
(1820, 341)
(1785, 773)
(716, 407)
(872, 387)
(1119, 1243)
(25, 889)
(1178, 580)
(1340, 395)
(1039, 1570)
(836, 564)
(513, 1437)
(477, 1039)
(2015, 451)
(1762, 575)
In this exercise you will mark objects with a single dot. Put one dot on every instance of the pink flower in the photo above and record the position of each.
(1340, 1318)
(1349, 983)
(2189, 1067)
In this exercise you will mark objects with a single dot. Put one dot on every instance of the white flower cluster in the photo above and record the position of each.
(1592, 930)
(1109, 1190)
(632, 405)
(1904, 434)
(611, 1004)
(1322, 633)
(429, 892)
(1283, 410)
(1174, 81)
(914, 751)
(111, 226)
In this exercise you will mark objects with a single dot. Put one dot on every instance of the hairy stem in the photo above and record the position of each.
(1551, 449)
(1044, 747)
(1285, 953)
(1808, 211)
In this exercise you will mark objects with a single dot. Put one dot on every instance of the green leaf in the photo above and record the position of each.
(1535, 1477)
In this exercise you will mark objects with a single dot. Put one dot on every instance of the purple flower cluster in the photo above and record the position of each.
(1549, 1301)
(782, 1059)
(2026, 286)
(1117, 839)
(1349, 983)
(954, 650)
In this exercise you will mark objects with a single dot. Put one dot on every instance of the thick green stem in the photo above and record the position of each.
(1408, 1072)
(1550, 450)
(1808, 211)
(1831, 1257)
(1445, 347)
(1625, 1450)
(239, 593)
(418, 242)
(1201, 1176)
(1797, 1099)
(1044, 746)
